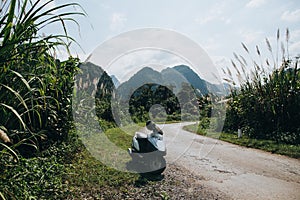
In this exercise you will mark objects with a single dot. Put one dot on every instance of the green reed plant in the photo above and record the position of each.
(35, 87)
(266, 105)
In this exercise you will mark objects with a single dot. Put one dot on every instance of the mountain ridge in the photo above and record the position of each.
(172, 77)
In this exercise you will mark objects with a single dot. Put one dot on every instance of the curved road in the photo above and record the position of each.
(239, 172)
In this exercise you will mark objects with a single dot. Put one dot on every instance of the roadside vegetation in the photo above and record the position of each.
(267, 103)
(41, 155)
(67, 170)
(264, 102)
(35, 88)
(266, 145)
(35, 98)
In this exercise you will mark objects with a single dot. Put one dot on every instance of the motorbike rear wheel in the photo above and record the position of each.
(157, 164)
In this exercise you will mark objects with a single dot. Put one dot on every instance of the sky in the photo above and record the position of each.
(217, 26)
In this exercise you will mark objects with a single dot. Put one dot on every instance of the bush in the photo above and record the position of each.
(267, 105)
(35, 87)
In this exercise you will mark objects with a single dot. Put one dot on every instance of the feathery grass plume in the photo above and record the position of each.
(244, 60)
(271, 51)
(4, 137)
(259, 55)
(267, 62)
(269, 45)
(251, 58)
(229, 72)
(256, 66)
(243, 64)
(267, 104)
(223, 70)
(234, 65)
(228, 80)
(277, 45)
(240, 78)
(238, 59)
(282, 50)
(257, 50)
(287, 38)
(245, 47)
(235, 56)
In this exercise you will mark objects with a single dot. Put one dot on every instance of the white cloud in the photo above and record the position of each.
(291, 16)
(207, 19)
(152, 38)
(295, 49)
(249, 36)
(132, 62)
(117, 21)
(105, 6)
(216, 13)
(211, 44)
(255, 3)
(295, 35)
(221, 61)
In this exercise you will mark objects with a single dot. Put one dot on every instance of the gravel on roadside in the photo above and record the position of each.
(175, 183)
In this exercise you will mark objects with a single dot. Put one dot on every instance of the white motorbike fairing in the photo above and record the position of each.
(135, 144)
(157, 141)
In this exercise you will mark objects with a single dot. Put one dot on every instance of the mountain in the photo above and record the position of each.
(172, 77)
(90, 69)
(142, 77)
(115, 80)
(90, 72)
(87, 79)
(146, 75)
(193, 78)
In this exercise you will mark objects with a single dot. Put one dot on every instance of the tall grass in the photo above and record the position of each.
(35, 87)
(267, 103)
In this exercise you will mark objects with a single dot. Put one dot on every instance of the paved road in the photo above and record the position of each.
(239, 172)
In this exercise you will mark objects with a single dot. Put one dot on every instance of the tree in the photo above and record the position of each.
(148, 95)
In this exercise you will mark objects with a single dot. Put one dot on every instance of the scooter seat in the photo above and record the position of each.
(140, 135)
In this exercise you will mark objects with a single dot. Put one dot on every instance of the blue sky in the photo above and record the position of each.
(217, 26)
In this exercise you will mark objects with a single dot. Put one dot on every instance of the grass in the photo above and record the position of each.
(69, 170)
(99, 172)
(266, 145)
(87, 176)
(40, 177)
(122, 136)
(110, 147)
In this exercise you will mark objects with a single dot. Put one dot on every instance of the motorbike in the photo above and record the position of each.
(148, 150)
